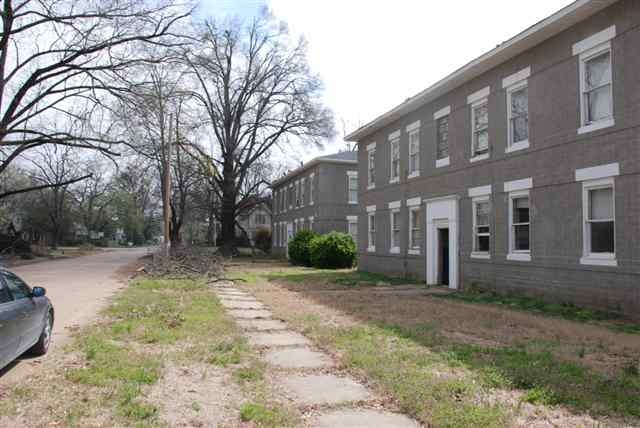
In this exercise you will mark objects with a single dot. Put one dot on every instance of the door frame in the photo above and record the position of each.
(442, 213)
(288, 236)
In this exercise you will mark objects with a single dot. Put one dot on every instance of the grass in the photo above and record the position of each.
(529, 304)
(264, 416)
(343, 277)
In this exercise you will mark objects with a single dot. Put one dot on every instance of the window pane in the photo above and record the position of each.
(521, 210)
(521, 237)
(601, 204)
(598, 71)
(482, 243)
(599, 103)
(413, 162)
(482, 213)
(4, 294)
(519, 102)
(602, 240)
(481, 117)
(481, 142)
(443, 137)
(19, 289)
(519, 128)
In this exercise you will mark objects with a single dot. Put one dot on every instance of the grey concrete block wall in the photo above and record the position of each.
(556, 151)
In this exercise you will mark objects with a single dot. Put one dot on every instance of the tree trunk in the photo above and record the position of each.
(228, 218)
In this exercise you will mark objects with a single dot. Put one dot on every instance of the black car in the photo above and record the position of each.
(26, 318)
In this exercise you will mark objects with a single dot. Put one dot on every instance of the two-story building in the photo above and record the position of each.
(321, 195)
(519, 171)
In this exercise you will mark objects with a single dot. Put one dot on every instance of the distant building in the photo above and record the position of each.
(257, 218)
(321, 195)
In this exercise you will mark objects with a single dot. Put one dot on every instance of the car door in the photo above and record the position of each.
(9, 334)
(29, 319)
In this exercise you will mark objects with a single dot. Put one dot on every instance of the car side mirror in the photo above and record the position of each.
(38, 292)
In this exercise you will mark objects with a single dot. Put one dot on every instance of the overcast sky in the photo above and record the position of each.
(373, 54)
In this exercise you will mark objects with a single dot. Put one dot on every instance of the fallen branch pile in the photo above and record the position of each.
(186, 263)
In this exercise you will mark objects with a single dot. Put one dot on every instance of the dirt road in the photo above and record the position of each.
(78, 288)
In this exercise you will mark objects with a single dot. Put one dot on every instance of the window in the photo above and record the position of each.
(395, 231)
(261, 219)
(303, 183)
(415, 237)
(481, 226)
(371, 228)
(599, 227)
(480, 124)
(371, 166)
(352, 228)
(297, 193)
(311, 182)
(5, 296)
(519, 227)
(414, 153)
(18, 288)
(352, 187)
(442, 145)
(291, 196)
(518, 110)
(394, 147)
(311, 223)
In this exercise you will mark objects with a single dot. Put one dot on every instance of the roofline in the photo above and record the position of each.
(310, 164)
(566, 17)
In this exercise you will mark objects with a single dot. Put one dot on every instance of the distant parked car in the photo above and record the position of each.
(26, 318)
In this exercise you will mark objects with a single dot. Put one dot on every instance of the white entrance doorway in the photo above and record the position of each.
(442, 241)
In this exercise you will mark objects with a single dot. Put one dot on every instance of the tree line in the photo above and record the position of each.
(103, 102)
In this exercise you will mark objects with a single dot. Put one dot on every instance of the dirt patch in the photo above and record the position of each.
(197, 395)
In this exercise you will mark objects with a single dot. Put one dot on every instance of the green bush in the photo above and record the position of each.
(262, 240)
(334, 250)
(299, 248)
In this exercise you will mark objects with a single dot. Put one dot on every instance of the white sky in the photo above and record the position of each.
(374, 54)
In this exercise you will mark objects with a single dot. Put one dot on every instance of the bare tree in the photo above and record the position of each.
(59, 59)
(258, 92)
(94, 196)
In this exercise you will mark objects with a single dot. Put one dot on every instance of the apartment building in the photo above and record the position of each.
(519, 171)
(321, 195)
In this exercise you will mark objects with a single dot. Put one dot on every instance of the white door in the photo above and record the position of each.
(442, 223)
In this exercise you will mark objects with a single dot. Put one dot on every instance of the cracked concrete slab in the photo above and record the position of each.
(363, 418)
(262, 325)
(250, 313)
(238, 298)
(297, 358)
(280, 338)
(324, 389)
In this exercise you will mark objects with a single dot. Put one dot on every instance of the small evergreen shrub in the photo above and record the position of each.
(262, 240)
(299, 248)
(334, 250)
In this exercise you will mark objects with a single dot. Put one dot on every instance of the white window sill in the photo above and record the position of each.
(414, 174)
(414, 252)
(394, 180)
(353, 202)
(519, 257)
(520, 145)
(371, 186)
(310, 203)
(479, 157)
(599, 260)
(601, 124)
(442, 162)
(394, 250)
(484, 256)
(371, 249)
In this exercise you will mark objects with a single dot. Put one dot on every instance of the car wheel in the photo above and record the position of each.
(41, 347)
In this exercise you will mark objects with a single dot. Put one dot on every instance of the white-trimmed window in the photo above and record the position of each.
(311, 184)
(394, 156)
(481, 226)
(352, 227)
(395, 231)
(291, 195)
(297, 193)
(414, 149)
(415, 232)
(371, 165)
(517, 90)
(480, 129)
(371, 228)
(519, 226)
(598, 214)
(442, 141)
(479, 102)
(596, 80)
(352, 187)
(311, 223)
(303, 183)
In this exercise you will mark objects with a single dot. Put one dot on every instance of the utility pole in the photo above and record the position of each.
(166, 208)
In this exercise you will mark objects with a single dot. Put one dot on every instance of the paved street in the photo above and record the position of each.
(78, 288)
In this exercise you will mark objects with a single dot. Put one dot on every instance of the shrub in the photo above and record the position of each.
(333, 251)
(299, 248)
(262, 240)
